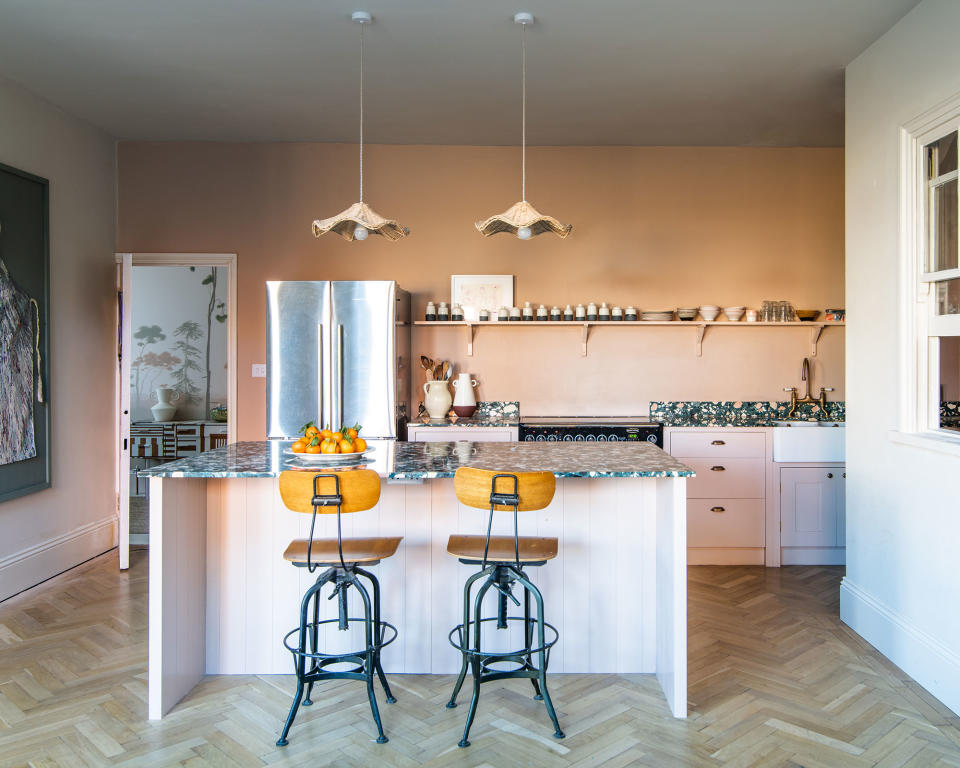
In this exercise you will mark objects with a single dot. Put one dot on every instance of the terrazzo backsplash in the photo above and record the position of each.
(497, 410)
(950, 414)
(737, 413)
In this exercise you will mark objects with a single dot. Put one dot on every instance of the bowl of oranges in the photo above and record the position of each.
(326, 446)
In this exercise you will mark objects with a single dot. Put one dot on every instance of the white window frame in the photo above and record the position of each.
(919, 420)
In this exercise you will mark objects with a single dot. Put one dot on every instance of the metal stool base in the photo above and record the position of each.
(379, 634)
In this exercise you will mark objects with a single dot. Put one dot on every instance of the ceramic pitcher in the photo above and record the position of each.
(465, 403)
(164, 409)
(437, 400)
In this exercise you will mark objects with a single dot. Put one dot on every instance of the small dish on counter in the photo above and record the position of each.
(808, 315)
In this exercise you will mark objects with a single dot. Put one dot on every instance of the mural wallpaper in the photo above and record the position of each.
(180, 340)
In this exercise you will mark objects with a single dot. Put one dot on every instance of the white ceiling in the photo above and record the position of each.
(619, 72)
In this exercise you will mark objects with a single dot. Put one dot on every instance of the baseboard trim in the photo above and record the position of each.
(725, 555)
(813, 556)
(29, 567)
(920, 655)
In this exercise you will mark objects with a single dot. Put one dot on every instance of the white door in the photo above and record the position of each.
(124, 355)
(809, 510)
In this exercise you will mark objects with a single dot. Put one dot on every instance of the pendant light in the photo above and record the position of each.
(522, 219)
(360, 220)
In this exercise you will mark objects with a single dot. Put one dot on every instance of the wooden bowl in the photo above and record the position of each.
(808, 315)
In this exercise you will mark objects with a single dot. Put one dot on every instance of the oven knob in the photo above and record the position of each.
(541, 438)
(602, 438)
(652, 439)
(591, 438)
(529, 438)
(552, 438)
(579, 438)
(567, 438)
(613, 438)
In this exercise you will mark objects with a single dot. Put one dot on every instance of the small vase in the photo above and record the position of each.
(437, 399)
(464, 404)
(165, 409)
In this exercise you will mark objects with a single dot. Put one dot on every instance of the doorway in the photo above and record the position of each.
(176, 373)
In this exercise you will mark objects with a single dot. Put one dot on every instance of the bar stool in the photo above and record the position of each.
(347, 491)
(502, 560)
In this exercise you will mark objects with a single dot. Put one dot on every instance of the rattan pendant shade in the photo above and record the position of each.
(522, 219)
(360, 220)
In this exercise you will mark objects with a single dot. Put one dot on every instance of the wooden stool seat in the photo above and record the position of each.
(325, 552)
(533, 549)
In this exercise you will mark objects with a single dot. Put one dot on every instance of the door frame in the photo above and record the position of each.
(228, 260)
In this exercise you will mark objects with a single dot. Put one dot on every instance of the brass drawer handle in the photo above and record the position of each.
(718, 469)
(718, 442)
(717, 509)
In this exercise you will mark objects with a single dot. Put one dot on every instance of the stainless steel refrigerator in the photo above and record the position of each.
(337, 353)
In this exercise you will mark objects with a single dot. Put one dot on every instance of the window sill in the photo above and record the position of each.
(946, 444)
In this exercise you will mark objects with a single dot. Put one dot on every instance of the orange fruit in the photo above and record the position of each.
(346, 445)
(359, 445)
(338, 436)
(325, 433)
(352, 433)
(311, 431)
(328, 446)
(298, 447)
(313, 449)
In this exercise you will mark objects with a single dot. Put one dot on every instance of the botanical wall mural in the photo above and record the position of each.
(179, 334)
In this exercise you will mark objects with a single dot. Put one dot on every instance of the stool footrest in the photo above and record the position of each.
(388, 633)
(462, 644)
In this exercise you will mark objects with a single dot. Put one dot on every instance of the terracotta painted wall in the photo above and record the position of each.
(655, 227)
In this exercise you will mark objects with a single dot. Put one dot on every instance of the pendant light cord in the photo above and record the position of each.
(523, 151)
(361, 111)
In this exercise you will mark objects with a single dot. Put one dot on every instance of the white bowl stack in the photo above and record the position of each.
(734, 313)
(709, 312)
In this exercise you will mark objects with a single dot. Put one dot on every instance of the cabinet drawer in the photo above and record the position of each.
(471, 434)
(736, 445)
(725, 523)
(726, 479)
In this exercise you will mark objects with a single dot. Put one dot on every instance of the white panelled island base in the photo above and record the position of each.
(222, 597)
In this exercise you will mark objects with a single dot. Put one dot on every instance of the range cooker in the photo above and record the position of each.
(611, 429)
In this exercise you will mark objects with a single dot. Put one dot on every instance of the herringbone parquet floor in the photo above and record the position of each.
(775, 680)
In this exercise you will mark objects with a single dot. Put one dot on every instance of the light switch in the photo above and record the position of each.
(259, 371)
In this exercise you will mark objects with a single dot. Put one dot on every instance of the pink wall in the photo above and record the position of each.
(654, 227)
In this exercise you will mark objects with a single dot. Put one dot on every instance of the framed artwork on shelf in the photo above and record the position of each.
(24, 351)
(476, 292)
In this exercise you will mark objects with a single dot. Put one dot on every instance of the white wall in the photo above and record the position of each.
(49, 531)
(165, 297)
(903, 503)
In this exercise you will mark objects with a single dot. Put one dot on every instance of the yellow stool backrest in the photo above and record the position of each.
(473, 487)
(359, 489)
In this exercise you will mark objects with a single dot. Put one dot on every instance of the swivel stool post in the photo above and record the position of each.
(341, 492)
(502, 561)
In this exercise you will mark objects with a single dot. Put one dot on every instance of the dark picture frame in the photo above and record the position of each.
(25, 249)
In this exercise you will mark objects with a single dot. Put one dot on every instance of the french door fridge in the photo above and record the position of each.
(337, 354)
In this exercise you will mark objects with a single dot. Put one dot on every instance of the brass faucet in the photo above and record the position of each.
(807, 398)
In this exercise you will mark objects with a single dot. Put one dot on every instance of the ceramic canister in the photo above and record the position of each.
(630, 313)
(591, 311)
(456, 313)
(542, 313)
(503, 314)
(556, 313)
(443, 313)
(527, 313)
(604, 312)
(568, 313)
(616, 313)
(431, 313)
(483, 315)
(581, 313)
(515, 314)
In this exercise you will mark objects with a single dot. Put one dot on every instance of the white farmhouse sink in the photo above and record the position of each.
(809, 441)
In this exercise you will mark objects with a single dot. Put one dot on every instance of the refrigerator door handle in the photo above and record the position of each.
(339, 375)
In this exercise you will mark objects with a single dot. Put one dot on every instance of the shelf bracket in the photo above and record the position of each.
(815, 334)
(584, 335)
(470, 329)
(701, 332)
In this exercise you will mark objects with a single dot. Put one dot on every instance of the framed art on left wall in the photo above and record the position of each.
(24, 333)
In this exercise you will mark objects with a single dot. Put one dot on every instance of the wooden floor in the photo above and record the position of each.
(775, 680)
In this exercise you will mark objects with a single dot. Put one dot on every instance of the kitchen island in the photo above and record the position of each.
(222, 597)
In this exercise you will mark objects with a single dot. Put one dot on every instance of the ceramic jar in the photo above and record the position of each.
(568, 313)
(456, 314)
(527, 313)
(591, 311)
(465, 403)
(581, 313)
(542, 313)
(431, 313)
(443, 312)
(604, 312)
(437, 399)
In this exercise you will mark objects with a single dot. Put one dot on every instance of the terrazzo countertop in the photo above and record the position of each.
(397, 460)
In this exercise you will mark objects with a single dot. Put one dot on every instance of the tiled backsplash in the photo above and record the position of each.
(497, 410)
(740, 413)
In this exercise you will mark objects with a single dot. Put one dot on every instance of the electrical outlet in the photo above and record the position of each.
(259, 371)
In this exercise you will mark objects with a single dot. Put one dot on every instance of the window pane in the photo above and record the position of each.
(943, 226)
(942, 156)
(950, 382)
(948, 297)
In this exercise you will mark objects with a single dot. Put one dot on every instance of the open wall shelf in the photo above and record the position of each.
(699, 328)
